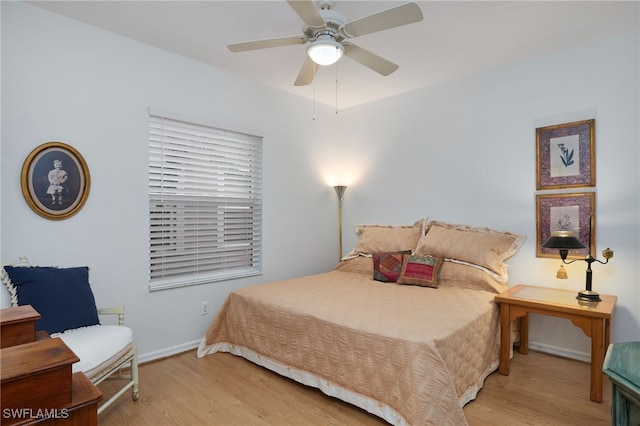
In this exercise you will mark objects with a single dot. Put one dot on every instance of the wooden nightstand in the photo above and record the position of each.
(592, 318)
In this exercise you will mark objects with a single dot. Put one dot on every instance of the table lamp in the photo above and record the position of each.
(564, 241)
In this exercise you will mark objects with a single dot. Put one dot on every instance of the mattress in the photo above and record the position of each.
(411, 355)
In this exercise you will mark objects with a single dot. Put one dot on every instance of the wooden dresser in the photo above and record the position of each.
(37, 384)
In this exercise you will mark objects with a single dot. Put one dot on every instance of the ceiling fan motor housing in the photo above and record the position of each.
(325, 46)
(333, 23)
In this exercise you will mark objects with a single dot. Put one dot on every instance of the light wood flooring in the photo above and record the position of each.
(222, 389)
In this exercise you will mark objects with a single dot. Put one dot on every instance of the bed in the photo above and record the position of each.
(404, 327)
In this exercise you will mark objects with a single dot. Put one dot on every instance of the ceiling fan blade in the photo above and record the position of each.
(307, 73)
(307, 11)
(370, 60)
(396, 16)
(264, 44)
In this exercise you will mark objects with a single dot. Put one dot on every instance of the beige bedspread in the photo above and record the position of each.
(411, 355)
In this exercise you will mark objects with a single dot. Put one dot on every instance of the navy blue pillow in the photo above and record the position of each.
(62, 296)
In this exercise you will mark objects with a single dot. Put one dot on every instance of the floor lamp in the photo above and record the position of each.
(340, 192)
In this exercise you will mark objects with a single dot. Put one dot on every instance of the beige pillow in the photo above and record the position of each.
(386, 238)
(482, 247)
(358, 264)
(465, 276)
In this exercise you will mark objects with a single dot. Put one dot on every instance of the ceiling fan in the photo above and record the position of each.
(326, 31)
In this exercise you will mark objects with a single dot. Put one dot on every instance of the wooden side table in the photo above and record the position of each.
(592, 318)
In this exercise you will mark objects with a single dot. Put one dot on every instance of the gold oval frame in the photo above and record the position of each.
(35, 183)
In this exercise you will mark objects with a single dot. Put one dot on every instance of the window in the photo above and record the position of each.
(205, 203)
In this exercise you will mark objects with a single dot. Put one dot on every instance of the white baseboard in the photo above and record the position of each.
(166, 352)
(563, 352)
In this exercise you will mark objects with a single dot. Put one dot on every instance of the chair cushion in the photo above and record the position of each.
(62, 296)
(97, 346)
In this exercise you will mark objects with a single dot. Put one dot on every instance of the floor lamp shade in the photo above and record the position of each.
(340, 192)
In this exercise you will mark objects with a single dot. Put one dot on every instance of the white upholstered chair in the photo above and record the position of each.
(104, 352)
(63, 298)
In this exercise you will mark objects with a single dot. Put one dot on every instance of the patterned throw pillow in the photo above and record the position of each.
(387, 266)
(420, 270)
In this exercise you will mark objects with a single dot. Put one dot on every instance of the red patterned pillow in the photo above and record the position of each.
(420, 270)
(387, 266)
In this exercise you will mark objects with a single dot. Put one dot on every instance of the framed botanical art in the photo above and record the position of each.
(573, 212)
(565, 155)
(55, 180)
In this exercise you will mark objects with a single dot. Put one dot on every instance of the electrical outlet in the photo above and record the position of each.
(204, 308)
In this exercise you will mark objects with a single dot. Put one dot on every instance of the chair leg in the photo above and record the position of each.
(135, 393)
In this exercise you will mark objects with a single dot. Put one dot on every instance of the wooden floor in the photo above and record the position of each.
(222, 389)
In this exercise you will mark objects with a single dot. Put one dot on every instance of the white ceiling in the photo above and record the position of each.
(456, 38)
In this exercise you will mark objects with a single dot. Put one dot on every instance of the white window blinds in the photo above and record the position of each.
(205, 203)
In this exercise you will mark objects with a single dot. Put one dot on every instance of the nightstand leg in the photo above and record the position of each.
(597, 357)
(505, 338)
(524, 335)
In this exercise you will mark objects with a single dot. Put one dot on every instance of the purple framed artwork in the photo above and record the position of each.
(565, 155)
(55, 180)
(573, 212)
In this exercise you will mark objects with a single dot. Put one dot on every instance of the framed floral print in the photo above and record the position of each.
(573, 212)
(565, 155)
(55, 180)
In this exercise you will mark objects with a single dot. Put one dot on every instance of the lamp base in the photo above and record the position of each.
(588, 296)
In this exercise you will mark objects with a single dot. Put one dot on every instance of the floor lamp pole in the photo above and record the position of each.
(340, 192)
(340, 230)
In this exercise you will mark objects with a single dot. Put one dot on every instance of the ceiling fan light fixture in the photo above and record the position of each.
(325, 50)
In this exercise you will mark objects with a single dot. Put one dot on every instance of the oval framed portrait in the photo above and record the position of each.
(55, 180)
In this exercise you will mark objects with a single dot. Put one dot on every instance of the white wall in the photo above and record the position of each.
(65, 81)
(463, 151)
